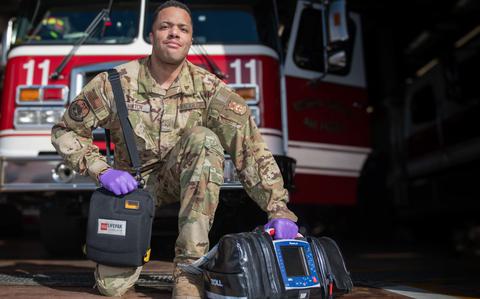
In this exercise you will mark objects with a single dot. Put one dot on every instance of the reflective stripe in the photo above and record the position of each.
(217, 296)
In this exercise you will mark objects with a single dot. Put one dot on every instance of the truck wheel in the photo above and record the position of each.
(61, 230)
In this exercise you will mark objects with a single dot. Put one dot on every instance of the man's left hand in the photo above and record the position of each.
(284, 228)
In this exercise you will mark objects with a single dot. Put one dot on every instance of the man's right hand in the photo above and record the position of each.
(118, 181)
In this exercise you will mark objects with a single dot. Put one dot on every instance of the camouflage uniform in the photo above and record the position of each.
(181, 134)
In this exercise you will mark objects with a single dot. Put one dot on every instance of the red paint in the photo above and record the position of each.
(267, 78)
(327, 113)
(16, 75)
(24, 135)
(323, 189)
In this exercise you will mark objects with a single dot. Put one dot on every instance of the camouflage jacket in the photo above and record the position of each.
(159, 117)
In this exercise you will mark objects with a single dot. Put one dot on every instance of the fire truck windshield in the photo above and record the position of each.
(226, 22)
(65, 22)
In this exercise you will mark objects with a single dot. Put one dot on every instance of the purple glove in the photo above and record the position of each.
(118, 181)
(284, 228)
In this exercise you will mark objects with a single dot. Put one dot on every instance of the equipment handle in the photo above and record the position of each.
(271, 232)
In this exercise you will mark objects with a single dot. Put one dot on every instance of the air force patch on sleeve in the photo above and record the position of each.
(237, 108)
(78, 110)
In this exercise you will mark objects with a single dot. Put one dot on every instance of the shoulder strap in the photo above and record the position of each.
(114, 78)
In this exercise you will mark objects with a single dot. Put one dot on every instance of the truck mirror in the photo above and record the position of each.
(338, 37)
(6, 42)
(337, 60)
(337, 22)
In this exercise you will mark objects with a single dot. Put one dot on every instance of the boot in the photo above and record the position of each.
(186, 285)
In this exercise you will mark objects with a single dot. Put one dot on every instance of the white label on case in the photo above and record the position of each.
(112, 227)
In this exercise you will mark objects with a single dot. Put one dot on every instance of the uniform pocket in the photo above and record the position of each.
(215, 176)
(250, 176)
(147, 133)
(205, 199)
(68, 143)
(190, 114)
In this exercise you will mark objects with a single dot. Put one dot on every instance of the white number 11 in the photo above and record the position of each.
(30, 67)
(237, 66)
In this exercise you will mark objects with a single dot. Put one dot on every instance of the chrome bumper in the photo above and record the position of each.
(38, 174)
(47, 173)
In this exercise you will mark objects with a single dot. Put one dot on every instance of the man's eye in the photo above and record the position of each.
(184, 30)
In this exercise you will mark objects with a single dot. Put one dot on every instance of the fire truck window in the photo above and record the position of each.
(308, 53)
(224, 26)
(64, 22)
(423, 108)
(213, 25)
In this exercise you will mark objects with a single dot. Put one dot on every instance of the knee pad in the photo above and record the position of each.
(115, 281)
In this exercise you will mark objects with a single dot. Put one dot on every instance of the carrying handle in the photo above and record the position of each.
(114, 78)
(271, 232)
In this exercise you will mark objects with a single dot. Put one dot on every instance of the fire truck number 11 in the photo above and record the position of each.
(30, 67)
(237, 66)
(45, 67)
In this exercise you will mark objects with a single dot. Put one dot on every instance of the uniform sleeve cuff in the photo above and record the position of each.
(282, 212)
(97, 168)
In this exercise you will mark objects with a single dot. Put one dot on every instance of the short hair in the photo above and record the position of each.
(167, 4)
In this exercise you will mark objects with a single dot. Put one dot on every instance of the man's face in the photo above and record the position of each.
(171, 35)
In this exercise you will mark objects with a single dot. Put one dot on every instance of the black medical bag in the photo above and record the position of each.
(252, 265)
(119, 228)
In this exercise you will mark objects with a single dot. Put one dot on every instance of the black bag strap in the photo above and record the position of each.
(114, 78)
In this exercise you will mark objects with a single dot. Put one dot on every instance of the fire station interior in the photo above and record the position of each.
(414, 229)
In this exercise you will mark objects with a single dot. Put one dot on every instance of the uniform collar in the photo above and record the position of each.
(147, 84)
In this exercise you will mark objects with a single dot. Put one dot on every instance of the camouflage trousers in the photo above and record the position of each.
(191, 173)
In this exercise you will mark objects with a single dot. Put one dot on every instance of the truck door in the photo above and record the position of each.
(327, 105)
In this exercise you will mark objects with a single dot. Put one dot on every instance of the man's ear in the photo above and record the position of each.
(150, 36)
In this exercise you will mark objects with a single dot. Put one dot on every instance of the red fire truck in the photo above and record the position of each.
(298, 64)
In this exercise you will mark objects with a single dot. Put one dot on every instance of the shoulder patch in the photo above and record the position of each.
(229, 106)
(237, 108)
(78, 110)
(94, 100)
(222, 95)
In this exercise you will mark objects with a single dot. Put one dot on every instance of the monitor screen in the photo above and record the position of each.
(294, 259)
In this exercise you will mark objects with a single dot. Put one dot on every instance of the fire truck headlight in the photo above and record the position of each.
(26, 117)
(50, 116)
(37, 117)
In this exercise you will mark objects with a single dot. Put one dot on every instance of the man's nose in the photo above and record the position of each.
(173, 33)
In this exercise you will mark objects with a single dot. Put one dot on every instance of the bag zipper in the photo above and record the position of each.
(321, 258)
(339, 252)
(252, 273)
(269, 260)
(327, 239)
(253, 238)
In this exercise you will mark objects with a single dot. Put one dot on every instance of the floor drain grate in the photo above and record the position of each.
(77, 279)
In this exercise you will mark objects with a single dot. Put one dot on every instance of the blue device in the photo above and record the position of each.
(296, 263)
